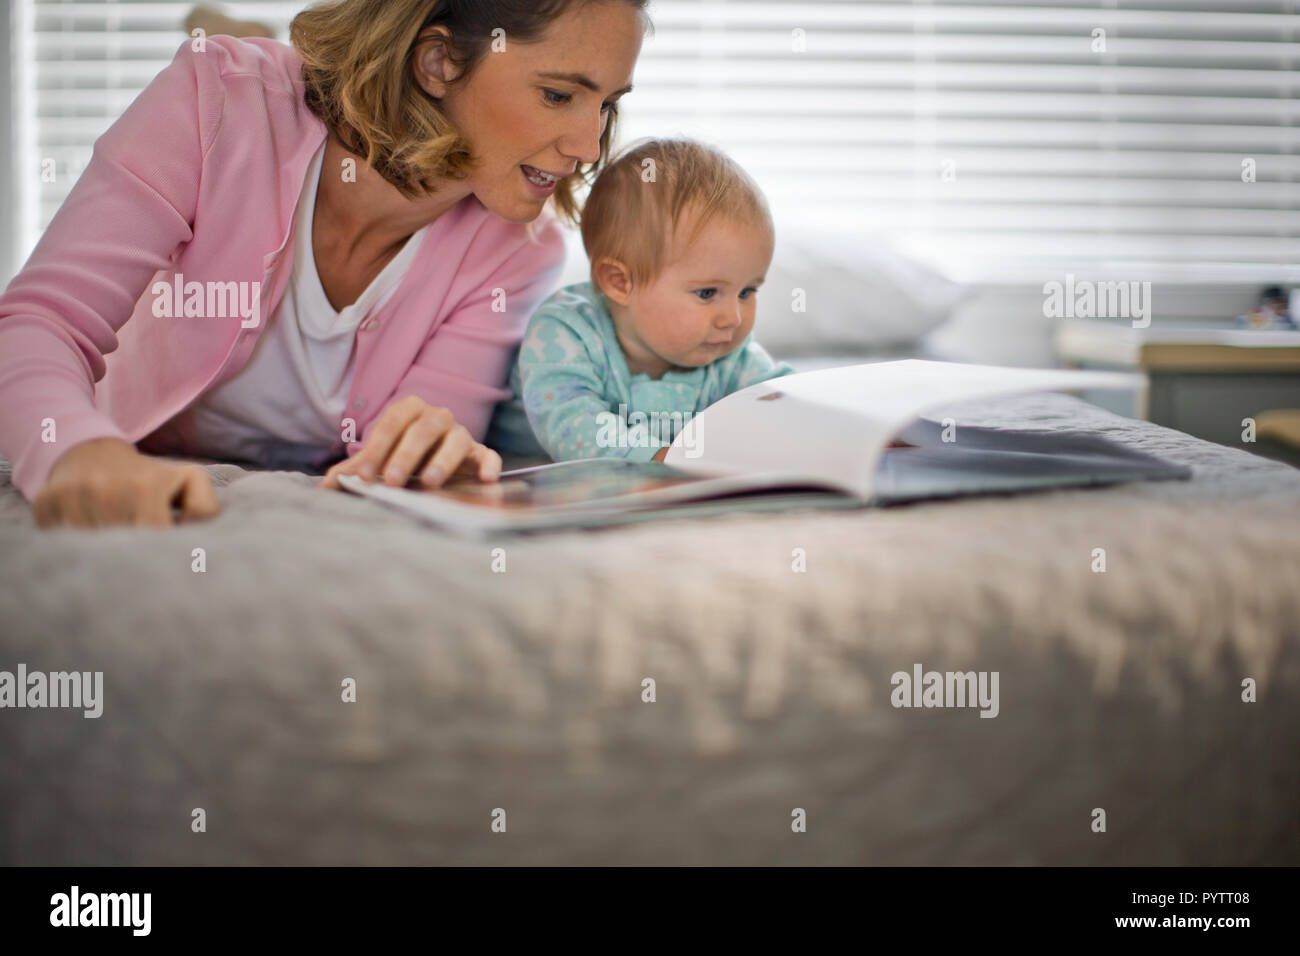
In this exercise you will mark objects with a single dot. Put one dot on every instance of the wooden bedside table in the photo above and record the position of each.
(1202, 380)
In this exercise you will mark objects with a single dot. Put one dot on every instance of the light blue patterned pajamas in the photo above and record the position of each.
(575, 398)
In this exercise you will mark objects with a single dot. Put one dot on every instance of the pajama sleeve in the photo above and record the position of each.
(563, 372)
(755, 365)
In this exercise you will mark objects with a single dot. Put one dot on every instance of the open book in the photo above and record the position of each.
(839, 437)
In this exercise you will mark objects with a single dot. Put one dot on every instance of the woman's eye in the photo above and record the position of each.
(555, 97)
(609, 107)
(705, 294)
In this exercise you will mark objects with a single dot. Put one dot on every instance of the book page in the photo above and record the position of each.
(832, 425)
(583, 491)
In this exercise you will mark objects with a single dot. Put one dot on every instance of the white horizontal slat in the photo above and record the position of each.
(676, 73)
(998, 178)
(1249, 200)
(989, 18)
(129, 12)
(858, 106)
(133, 75)
(742, 131)
(1217, 207)
(1055, 246)
(1179, 273)
(865, 104)
(979, 47)
(1264, 232)
(1059, 166)
(979, 217)
(1056, 164)
(961, 132)
(97, 44)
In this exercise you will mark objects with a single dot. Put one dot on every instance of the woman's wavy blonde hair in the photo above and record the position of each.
(356, 57)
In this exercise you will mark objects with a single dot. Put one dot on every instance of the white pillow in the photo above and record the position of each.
(858, 293)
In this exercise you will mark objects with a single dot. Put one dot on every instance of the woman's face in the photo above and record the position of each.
(533, 110)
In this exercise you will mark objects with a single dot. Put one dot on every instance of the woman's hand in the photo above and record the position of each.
(105, 481)
(414, 438)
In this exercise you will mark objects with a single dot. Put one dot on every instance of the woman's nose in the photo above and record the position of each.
(583, 144)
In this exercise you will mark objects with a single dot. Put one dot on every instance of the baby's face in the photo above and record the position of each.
(701, 307)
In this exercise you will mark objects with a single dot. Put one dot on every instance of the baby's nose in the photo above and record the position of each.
(730, 318)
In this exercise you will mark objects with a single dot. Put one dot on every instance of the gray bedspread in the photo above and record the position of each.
(517, 695)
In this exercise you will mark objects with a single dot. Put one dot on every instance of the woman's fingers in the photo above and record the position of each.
(331, 477)
(415, 438)
(390, 430)
(447, 457)
(483, 462)
(432, 427)
(106, 482)
(156, 512)
(198, 497)
(51, 509)
(83, 512)
(45, 509)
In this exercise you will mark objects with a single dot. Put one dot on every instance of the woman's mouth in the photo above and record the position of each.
(543, 184)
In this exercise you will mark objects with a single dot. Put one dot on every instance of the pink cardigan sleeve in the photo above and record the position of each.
(128, 212)
(472, 348)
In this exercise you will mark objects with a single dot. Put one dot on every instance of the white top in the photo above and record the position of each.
(285, 407)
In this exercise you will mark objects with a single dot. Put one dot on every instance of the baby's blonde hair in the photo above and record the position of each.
(640, 199)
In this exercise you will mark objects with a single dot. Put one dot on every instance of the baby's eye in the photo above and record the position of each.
(746, 293)
(705, 294)
(555, 97)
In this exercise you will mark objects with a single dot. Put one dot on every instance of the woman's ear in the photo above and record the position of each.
(434, 68)
(613, 279)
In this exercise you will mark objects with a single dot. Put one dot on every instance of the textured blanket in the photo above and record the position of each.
(697, 690)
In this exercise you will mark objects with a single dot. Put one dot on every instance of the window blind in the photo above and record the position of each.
(1006, 141)
(1151, 139)
(80, 63)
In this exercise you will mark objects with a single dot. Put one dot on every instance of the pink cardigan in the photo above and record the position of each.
(200, 177)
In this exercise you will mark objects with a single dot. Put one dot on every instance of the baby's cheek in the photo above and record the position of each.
(693, 340)
(677, 336)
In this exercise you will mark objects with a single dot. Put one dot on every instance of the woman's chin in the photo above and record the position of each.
(520, 213)
(516, 208)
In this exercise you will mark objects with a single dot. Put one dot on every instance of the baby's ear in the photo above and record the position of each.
(613, 279)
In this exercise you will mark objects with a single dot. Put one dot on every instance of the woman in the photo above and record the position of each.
(322, 250)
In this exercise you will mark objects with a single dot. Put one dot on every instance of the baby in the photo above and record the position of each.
(679, 239)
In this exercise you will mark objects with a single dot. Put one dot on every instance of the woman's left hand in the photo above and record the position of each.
(413, 437)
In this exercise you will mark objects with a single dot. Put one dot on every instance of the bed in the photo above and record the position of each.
(501, 716)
